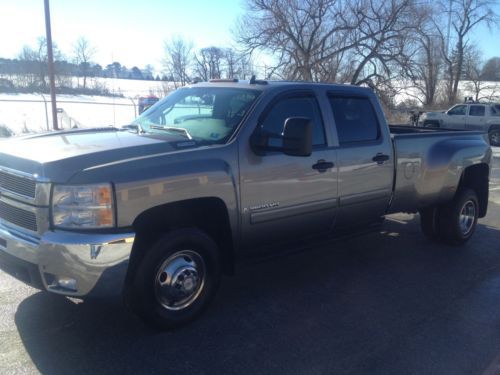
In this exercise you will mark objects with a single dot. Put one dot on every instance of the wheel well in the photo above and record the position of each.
(207, 214)
(476, 177)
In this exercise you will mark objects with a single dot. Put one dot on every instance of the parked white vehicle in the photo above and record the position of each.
(470, 116)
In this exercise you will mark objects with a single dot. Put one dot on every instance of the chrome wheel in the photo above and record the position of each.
(180, 280)
(467, 217)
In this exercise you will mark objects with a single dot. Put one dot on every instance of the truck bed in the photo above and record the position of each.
(429, 164)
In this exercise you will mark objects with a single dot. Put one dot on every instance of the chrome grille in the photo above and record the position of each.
(17, 216)
(17, 184)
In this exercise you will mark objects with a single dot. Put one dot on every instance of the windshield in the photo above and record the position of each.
(202, 114)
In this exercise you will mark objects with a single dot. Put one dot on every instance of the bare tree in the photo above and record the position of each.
(178, 59)
(233, 69)
(465, 16)
(83, 54)
(491, 69)
(35, 60)
(382, 40)
(209, 63)
(359, 41)
(423, 68)
(302, 34)
(472, 73)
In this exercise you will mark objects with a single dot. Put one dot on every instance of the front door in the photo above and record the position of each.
(455, 117)
(285, 197)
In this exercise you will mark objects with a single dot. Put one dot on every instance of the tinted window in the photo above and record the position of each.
(459, 110)
(355, 119)
(496, 110)
(305, 106)
(477, 110)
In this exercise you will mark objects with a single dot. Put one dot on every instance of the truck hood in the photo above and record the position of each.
(60, 155)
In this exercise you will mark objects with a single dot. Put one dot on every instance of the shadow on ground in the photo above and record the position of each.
(386, 302)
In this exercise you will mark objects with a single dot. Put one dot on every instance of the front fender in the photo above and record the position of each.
(148, 182)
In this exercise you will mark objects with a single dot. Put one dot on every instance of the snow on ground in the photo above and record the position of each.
(32, 112)
(29, 113)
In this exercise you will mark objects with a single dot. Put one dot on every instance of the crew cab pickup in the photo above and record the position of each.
(213, 174)
(484, 117)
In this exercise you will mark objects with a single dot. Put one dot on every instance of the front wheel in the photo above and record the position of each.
(494, 136)
(176, 279)
(458, 218)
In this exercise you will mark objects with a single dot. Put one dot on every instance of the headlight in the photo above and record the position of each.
(83, 207)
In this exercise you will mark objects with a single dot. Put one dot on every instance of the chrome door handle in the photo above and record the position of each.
(380, 158)
(323, 165)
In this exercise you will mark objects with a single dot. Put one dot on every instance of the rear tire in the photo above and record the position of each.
(176, 279)
(494, 136)
(458, 218)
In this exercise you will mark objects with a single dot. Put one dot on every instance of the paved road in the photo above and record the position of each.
(384, 303)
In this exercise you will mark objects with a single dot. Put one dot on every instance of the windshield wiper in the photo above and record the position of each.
(135, 128)
(183, 131)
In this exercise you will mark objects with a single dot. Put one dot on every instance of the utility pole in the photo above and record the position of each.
(50, 63)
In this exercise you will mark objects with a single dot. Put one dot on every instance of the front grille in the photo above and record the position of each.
(17, 216)
(17, 184)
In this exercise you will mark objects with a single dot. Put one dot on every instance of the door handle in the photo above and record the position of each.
(380, 158)
(323, 165)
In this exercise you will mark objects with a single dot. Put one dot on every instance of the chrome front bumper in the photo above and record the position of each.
(72, 264)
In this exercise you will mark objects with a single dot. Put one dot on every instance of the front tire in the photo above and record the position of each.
(458, 218)
(176, 279)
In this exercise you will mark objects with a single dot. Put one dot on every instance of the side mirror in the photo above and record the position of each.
(297, 136)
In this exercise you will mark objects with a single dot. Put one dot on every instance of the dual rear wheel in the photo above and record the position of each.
(453, 223)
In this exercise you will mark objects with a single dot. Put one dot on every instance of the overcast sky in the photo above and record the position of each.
(132, 31)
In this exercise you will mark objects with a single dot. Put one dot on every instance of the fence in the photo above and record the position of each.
(27, 113)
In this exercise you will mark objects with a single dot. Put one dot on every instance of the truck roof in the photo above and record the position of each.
(262, 85)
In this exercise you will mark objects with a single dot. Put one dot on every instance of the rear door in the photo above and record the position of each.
(476, 120)
(364, 158)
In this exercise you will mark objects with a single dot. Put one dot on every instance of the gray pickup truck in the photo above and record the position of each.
(212, 175)
(484, 117)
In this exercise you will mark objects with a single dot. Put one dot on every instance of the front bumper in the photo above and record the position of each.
(72, 264)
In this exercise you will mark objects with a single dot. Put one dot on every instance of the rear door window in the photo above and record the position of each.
(477, 110)
(355, 119)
